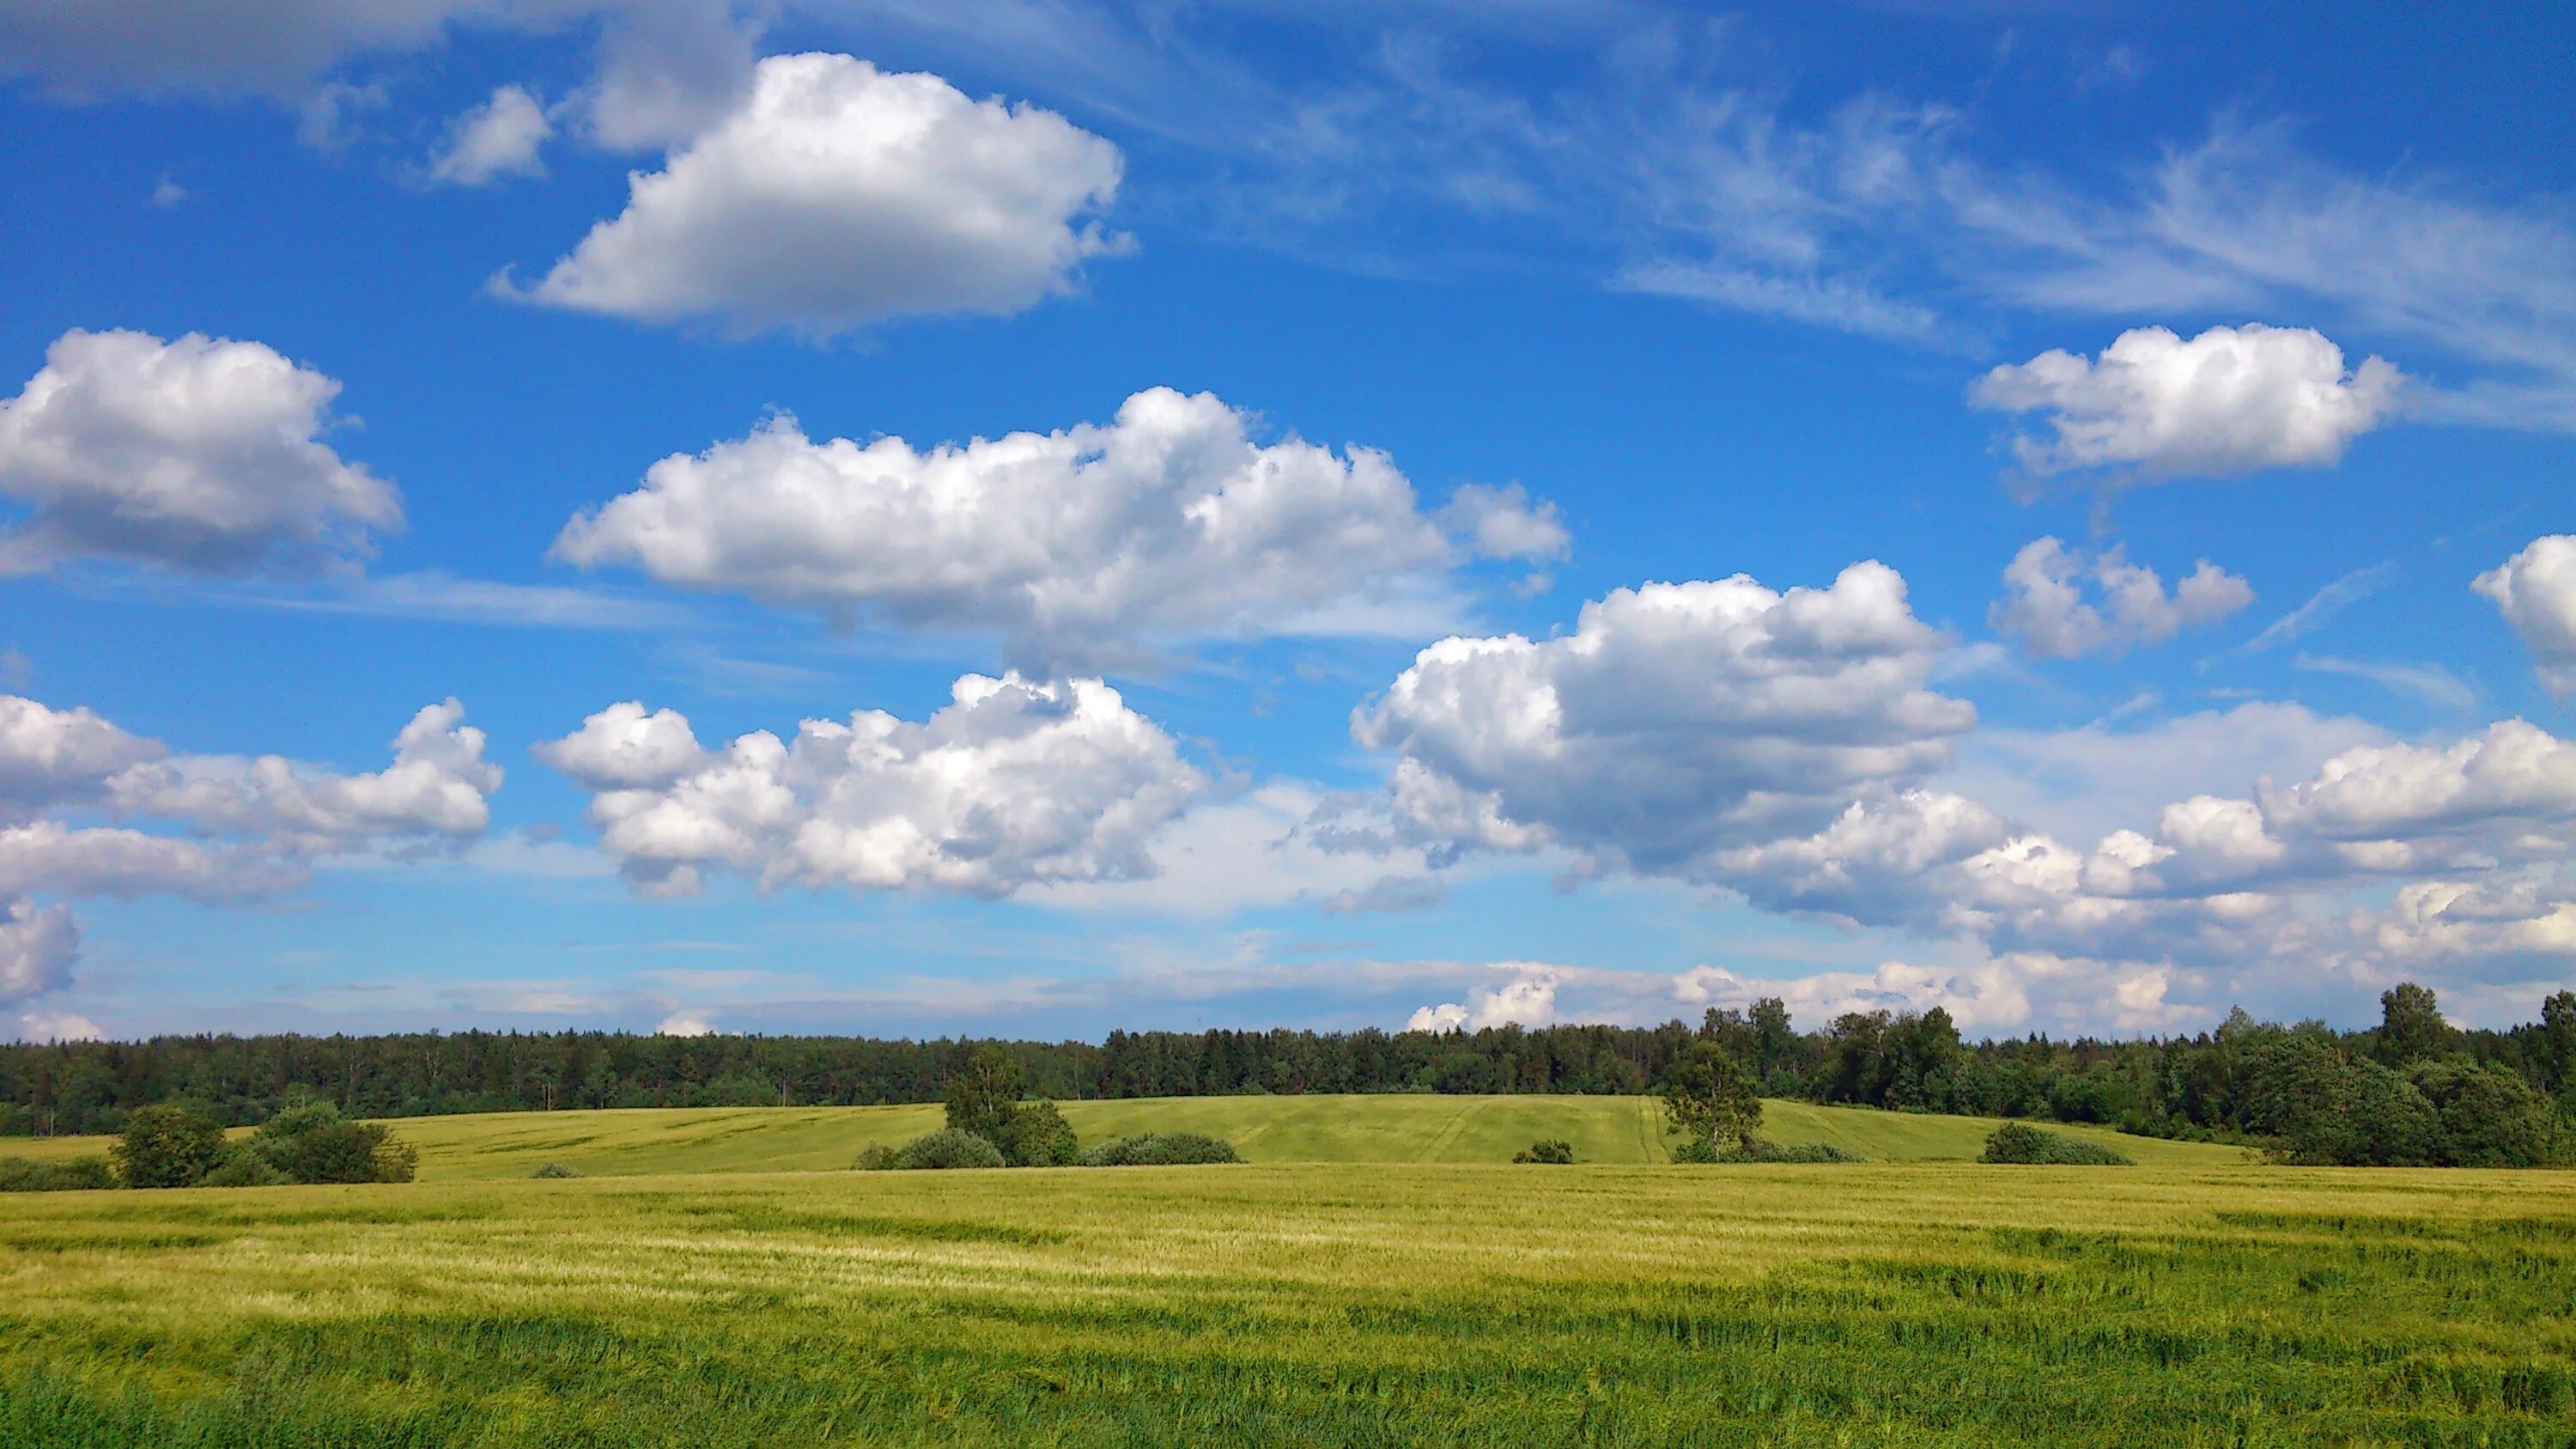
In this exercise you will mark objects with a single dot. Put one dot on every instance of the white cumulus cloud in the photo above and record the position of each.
(501, 137)
(2049, 607)
(199, 454)
(836, 196)
(622, 747)
(2231, 400)
(37, 949)
(1677, 720)
(438, 784)
(2512, 772)
(1012, 784)
(1169, 523)
(2536, 588)
(49, 755)
(253, 827)
(1527, 999)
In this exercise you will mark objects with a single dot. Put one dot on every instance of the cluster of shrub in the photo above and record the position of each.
(178, 1144)
(990, 1125)
(2022, 1144)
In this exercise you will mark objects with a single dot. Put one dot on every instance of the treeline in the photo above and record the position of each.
(2384, 1094)
(81, 1087)
(2412, 1092)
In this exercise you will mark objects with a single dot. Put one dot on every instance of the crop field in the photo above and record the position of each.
(1396, 1301)
(1383, 1129)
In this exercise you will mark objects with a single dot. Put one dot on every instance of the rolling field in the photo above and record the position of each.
(1911, 1304)
(1265, 1129)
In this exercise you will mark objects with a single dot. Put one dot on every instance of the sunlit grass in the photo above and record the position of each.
(1933, 1303)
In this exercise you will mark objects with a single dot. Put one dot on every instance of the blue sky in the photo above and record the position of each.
(2062, 514)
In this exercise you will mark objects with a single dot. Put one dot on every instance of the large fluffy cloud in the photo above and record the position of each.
(1169, 523)
(199, 454)
(437, 785)
(1677, 722)
(2046, 604)
(51, 755)
(2536, 588)
(1788, 749)
(1012, 784)
(2512, 775)
(837, 196)
(2231, 400)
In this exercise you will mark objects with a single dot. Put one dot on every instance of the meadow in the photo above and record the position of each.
(1349, 1129)
(1393, 1299)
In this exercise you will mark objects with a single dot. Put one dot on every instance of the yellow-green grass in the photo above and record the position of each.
(1914, 1304)
(1355, 1129)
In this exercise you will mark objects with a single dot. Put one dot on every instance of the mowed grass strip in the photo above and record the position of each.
(1281, 1129)
(1930, 1304)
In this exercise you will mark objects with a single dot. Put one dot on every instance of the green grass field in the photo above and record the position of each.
(1264, 1129)
(1396, 1298)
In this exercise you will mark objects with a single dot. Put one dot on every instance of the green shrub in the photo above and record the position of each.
(2490, 1117)
(1763, 1149)
(1758, 1149)
(555, 1172)
(1035, 1134)
(244, 1166)
(2020, 1143)
(1554, 1151)
(168, 1144)
(1161, 1149)
(20, 1174)
(946, 1148)
(312, 1142)
(875, 1157)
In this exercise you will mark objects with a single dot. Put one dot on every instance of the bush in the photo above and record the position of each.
(875, 1157)
(2020, 1143)
(168, 1144)
(312, 1142)
(244, 1166)
(946, 1148)
(78, 1174)
(1757, 1149)
(2490, 1117)
(1553, 1151)
(1036, 1135)
(1763, 1149)
(555, 1172)
(1161, 1149)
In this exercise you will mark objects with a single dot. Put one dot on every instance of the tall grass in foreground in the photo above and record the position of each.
(1788, 1306)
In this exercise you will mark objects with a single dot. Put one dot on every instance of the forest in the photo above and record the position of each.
(2412, 1090)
